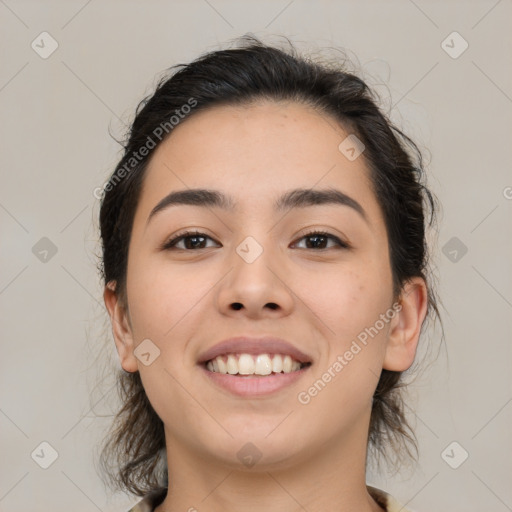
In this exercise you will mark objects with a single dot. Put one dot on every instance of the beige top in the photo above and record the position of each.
(385, 500)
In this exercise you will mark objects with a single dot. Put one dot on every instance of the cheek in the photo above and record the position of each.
(160, 297)
(345, 381)
(346, 300)
(350, 303)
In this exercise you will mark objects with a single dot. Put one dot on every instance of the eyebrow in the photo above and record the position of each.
(297, 198)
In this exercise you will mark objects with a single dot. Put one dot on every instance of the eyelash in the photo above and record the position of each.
(169, 245)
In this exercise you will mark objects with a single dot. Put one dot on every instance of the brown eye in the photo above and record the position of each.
(192, 240)
(319, 239)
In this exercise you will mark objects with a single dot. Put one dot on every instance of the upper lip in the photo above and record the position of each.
(252, 345)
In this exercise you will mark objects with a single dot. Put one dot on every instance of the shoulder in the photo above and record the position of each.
(386, 501)
(153, 499)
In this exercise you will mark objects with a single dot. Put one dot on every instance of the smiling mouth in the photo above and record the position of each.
(254, 365)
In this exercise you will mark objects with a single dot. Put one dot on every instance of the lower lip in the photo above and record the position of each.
(254, 385)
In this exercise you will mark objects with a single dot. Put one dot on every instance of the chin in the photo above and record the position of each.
(256, 451)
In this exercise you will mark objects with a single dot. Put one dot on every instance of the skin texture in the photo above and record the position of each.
(312, 455)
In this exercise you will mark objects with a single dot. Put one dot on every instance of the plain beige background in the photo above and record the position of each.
(55, 116)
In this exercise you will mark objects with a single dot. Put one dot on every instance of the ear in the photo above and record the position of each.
(405, 327)
(121, 328)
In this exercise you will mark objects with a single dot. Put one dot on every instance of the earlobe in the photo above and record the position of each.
(405, 331)
(121, 328)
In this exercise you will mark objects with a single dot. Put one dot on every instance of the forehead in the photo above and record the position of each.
(255, 153)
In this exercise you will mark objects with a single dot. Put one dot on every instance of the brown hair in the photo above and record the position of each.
(133, 456)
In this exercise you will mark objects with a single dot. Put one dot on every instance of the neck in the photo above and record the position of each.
(331, 478)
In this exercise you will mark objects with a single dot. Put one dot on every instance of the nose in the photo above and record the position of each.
(256, 285)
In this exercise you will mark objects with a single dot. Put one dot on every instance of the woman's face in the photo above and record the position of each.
(252, 272)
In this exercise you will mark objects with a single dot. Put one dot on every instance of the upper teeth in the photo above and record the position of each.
(246, 364)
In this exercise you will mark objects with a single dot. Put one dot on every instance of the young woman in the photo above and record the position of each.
(265, 272)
